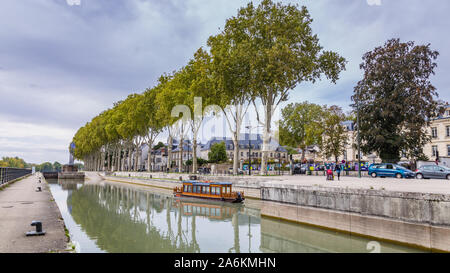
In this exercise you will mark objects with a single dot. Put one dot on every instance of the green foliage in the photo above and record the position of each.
(218, 153)
(291, 151)
(200, 162)
(159, 145)
(396, 98)
(280, 49)
(46, 166)
(13, 162)
(301, 124)
(334, 136)
(57, 166)
(422, 157)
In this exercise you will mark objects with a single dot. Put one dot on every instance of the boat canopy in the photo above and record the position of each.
(199, 183)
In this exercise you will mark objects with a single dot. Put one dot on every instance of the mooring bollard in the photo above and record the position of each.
(38, 232)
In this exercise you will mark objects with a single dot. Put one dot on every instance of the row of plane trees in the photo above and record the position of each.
(259, 57)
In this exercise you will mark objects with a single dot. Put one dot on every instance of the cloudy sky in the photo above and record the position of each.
(64, 61)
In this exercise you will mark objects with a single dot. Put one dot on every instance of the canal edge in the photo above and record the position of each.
(70, 246)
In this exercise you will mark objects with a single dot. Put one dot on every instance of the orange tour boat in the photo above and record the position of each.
(220, 191)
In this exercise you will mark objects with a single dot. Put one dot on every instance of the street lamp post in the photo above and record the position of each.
(359, 139)
(279, 163)
(249, 150)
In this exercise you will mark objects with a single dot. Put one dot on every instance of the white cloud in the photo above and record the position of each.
(34, 142)
(73, 2)
(374, 2)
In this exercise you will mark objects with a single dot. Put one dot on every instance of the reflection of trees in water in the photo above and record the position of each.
(123, 220)
(111, 216)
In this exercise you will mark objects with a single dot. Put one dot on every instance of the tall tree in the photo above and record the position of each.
(334, 137)
(154, 123)
(301, 125)
(283, 52)
(218, 153)
(231, 68)
(396, 99)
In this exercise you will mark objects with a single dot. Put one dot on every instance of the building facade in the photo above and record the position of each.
(250, 146)
(439, 131)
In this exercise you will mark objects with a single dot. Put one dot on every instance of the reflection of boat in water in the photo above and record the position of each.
(212, 211)
(220, 191)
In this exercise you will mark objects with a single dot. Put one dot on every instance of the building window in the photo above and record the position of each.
(434, 132)
(447, 129)
(433, 150)
(242, 153)
(448, 150)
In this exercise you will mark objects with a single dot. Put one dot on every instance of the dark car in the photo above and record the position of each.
(433, 171)
(204, 170)
(390, 170)
(300, 169)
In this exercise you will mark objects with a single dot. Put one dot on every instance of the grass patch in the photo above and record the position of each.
(66, 231)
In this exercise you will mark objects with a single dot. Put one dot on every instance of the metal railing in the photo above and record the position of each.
(9, 174)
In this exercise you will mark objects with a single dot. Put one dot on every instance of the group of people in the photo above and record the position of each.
(337, 169)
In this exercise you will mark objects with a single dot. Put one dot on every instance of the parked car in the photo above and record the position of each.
(239, 172)
(204, 170)
(390, 170)
(300, 169)
(433, 171)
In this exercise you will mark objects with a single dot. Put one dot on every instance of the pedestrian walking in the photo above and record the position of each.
(338, 171)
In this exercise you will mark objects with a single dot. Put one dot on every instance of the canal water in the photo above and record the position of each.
(114, 217)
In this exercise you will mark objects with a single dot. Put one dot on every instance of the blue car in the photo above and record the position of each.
(390, 170)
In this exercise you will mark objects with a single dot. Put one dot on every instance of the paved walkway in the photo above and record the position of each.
(436, 186)
(20, 204)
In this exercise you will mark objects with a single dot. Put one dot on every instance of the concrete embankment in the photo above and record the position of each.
(414, 207)
(20, 204)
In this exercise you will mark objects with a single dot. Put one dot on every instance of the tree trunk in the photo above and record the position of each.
(136, 158)
(169, 153)
(194, 155)
(119, 162)
(129, 160)
(236, 154)
(108, 158)
(266, 136)
(180, 164)
(149, 157)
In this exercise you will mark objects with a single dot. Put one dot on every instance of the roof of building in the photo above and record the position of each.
(255, 140)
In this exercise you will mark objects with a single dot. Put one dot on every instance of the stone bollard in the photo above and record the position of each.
(38, 232)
